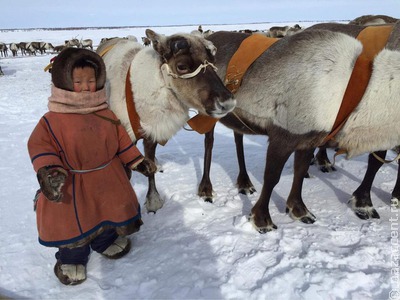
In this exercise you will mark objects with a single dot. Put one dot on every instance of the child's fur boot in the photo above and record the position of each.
(70, 274)
(119, 248)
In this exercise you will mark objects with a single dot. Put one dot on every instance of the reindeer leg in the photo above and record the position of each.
(295, 205)
(153, 199)
(205, 189)
(361, 200)
(277, 155)
(243, 182)
(323, 161)
(313, 160)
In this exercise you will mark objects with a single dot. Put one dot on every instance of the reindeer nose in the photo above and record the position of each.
(223, 108)
(229, 104)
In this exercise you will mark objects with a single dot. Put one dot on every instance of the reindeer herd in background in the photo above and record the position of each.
(40, 47)
(34, 48)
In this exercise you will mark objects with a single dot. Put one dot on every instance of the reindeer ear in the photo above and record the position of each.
(159, 42)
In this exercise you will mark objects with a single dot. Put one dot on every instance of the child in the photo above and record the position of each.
(79, 150)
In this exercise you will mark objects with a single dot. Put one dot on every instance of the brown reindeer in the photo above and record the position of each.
(22, 46)
(59, 48)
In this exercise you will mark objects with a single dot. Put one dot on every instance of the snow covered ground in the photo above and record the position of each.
(190, 249)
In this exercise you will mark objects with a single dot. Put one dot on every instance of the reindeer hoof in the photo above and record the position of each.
(267, 229)
(366, 213)
(153, 204)
(208, 199)
(327, 168)
(361, 214)
(308, 220)
(247, 191)
(262, 229)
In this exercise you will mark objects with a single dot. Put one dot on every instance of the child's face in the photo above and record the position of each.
(84, 79)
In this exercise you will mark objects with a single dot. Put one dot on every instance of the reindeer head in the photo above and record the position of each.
(187, 67)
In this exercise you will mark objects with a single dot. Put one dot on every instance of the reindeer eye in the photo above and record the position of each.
(182, 68)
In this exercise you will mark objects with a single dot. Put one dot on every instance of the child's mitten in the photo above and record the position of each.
(51, 180)
(146, 167)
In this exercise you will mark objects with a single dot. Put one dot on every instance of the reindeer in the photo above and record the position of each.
(48, 46)
(22, 46)
(31, 48)
(88, 43)
(14, 49)
(103, 40)
(297, 109)
(369, 20)
(1, 72)
(146, 41)
(59, 48)
(3, 49)
(72, 42)
(281, 31)
(361, 197)
(176, 74)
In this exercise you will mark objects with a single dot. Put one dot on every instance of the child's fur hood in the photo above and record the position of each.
(61, 72)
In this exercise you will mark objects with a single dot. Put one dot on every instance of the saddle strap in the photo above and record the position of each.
(130, 105)
(249, 50)
(374, 39)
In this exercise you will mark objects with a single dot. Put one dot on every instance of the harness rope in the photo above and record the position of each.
(189, 75)
(134, 118)
(385, 161)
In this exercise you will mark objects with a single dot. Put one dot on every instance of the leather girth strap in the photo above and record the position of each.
(249, 50)
(374, 39)
(130, 106)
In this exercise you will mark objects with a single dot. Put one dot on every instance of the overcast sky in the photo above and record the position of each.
(88, 13)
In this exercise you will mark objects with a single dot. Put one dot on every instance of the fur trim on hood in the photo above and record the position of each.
(61, 72)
